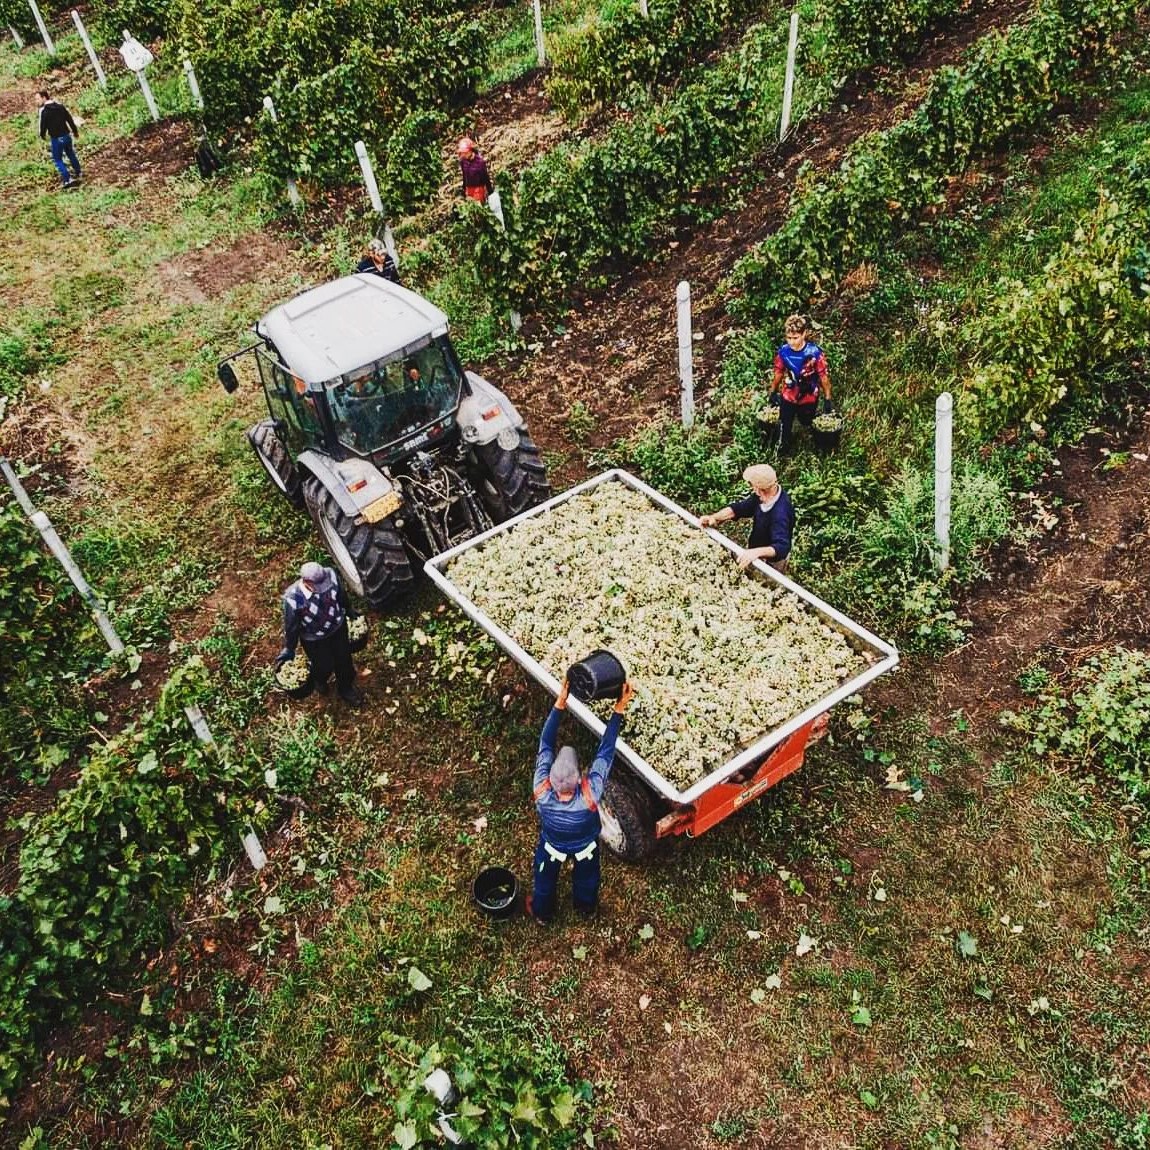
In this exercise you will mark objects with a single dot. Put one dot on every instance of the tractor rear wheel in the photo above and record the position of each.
(272, 453)
(627, 817)
(371, 557)
(512, 481)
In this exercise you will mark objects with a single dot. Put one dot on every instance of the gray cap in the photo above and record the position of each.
(317, 575)
(564, 774)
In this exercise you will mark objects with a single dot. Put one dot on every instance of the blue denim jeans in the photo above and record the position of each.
(61, 147)
(585, 879)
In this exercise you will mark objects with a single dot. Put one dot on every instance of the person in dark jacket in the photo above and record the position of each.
(800, 376)
(57, 125)
(377, 259)
(477, 183)
(315, 614)
(568, 806)
(774, 518)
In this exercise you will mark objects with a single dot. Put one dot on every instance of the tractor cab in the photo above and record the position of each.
(396, 452)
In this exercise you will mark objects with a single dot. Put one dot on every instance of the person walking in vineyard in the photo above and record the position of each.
(56, 123)
(477, 183)
(315, 613)
(774, 518)
(800, 375)
(568, 806)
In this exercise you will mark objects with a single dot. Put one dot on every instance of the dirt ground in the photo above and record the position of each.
(619, 353)
(1076, 587)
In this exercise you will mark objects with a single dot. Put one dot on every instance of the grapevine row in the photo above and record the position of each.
(1010, 82)
(581, 206)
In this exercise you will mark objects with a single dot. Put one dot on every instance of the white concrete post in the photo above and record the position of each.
(43, 28)
(372, 186)
(789, 83)
(255, 851)
(101, 79)
(540, 48)
(943, 431)
(293, 192)
(17, 39)
(193, 84)
(495, 203)
(686, 349)
(149, 99)
(643, 9)
(368, 177)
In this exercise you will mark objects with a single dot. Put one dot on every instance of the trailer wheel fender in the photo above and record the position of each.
(628, 820)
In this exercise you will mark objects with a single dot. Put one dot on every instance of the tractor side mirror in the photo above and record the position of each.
(227, 377)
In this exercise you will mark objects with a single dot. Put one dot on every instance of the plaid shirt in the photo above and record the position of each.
(313, 616)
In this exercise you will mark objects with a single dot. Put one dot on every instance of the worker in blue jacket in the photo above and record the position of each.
(773, 513)
(568, 806)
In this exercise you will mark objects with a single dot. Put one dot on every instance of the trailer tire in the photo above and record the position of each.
(272, 453)
(628, 820)
(371, 557)
(511, 481)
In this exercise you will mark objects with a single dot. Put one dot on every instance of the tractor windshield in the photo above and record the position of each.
(387, 401)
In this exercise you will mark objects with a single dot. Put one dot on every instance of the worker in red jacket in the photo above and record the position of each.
(568, 805)
(477, 183)
(800, 375)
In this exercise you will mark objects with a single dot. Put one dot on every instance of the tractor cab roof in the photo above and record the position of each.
(340, 326)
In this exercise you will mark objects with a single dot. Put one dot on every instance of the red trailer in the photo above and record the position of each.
(640, 805)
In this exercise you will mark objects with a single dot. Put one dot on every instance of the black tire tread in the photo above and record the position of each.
(376, 548)
(630, 806)
(271, 450)
(519, 478)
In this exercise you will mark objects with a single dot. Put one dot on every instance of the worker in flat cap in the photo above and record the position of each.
(568, 805)
(773, 513)
(315, 613)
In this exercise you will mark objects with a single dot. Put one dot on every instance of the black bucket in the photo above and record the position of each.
(301, 692)
(770, 428)
(358, 643)
(599, 676)
(496, 891)
(826, 439)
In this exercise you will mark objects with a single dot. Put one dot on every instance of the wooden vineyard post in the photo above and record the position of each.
(17, 39)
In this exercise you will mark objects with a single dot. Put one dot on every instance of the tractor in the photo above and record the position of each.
(374, 427)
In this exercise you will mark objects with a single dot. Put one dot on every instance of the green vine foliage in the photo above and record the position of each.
(413, 165)
(1084, 313)
(1101, 722)
(599, 63)
(581, 207)
(1008, 84)
(100, 872)
(44, 648)
(508, 1098)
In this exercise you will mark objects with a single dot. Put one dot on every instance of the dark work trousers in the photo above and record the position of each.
(585, 879)
(788, 413)
(331, 654)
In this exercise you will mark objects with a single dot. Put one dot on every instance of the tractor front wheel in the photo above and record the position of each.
(371, 557)
(627, 817)
(511, 481)
(272, 453)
